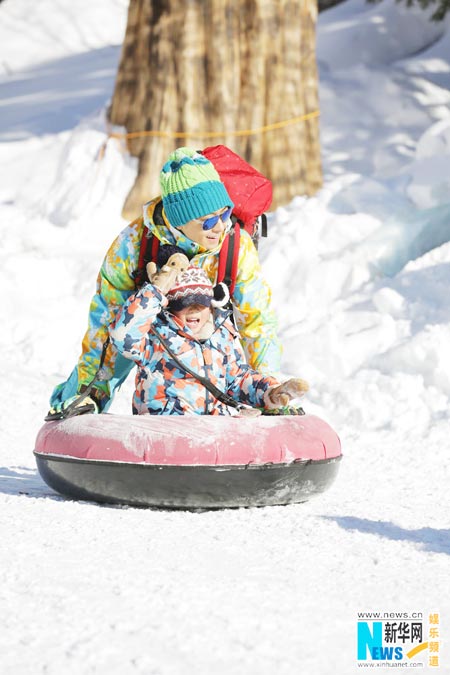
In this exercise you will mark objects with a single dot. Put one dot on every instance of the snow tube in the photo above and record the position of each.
(188, 462)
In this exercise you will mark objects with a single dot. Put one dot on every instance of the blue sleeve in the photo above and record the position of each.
(129, 332)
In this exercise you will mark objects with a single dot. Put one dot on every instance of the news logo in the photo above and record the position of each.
(398, 639)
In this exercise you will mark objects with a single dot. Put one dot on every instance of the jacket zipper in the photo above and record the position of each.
(205, 370)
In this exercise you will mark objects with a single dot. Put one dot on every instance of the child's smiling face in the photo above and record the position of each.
(194, 317)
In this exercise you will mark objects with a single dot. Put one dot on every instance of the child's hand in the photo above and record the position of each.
(167, 275)
(280, 395)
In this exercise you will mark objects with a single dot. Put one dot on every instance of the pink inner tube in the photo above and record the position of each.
(186, 440)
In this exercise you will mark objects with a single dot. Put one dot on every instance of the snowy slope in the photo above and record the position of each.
(360, 275)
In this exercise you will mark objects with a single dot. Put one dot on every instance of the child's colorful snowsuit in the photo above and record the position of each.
(162, 386)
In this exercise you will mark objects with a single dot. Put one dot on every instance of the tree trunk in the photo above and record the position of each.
(221, 66)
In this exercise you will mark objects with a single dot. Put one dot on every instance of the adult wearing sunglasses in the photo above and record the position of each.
(207, 232)
(193, 213)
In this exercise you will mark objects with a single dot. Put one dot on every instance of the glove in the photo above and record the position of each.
(59, 411)
(167, 275)
(280, 395)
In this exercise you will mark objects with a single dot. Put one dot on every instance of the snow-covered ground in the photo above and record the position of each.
(360, 274)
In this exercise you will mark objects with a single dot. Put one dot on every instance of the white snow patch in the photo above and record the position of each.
(360, 275)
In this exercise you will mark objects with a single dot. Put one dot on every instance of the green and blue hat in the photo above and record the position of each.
(191, 187)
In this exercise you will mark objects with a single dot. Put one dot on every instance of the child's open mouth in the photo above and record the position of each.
(192, 321)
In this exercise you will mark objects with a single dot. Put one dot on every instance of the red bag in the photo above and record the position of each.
(250, 191)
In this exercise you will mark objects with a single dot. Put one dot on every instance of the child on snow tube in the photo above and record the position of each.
(175, 330)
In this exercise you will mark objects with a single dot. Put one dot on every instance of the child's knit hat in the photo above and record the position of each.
(193, 287)
(191, 187)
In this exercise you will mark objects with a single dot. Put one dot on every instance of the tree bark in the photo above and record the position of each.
(197, 66)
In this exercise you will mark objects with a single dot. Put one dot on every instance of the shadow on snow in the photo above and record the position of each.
(431, 539)
(54, 96)
(23, 481)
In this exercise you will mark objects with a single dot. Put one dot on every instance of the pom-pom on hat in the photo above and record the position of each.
(193, 287)
(191, 187)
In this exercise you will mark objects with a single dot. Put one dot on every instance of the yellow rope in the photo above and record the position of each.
(214, 134)
(204, 134)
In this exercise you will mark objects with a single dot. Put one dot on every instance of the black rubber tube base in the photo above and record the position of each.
(187, 487)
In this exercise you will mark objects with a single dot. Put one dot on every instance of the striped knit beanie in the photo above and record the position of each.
(192, 287)
(191, 187)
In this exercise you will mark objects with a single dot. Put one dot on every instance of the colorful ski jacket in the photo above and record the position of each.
(163, 387)
(255, 319)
